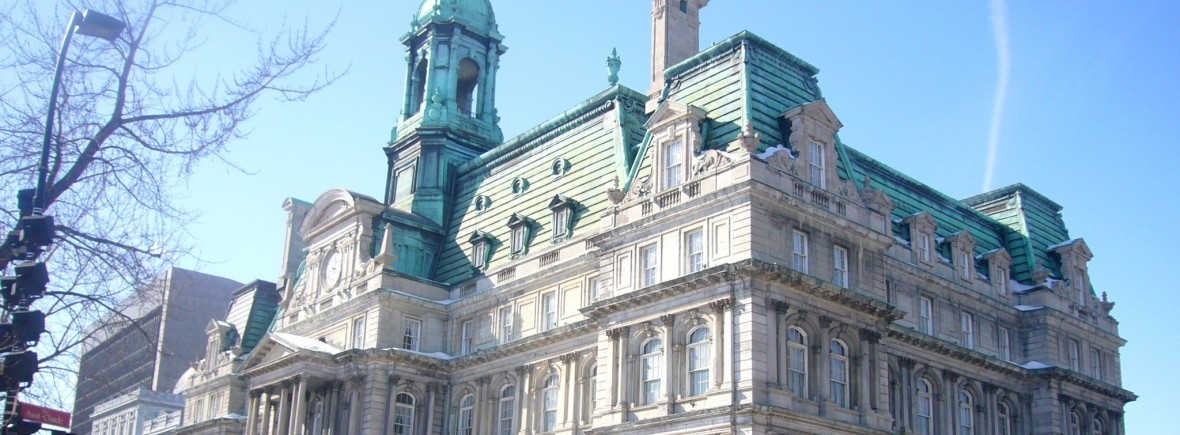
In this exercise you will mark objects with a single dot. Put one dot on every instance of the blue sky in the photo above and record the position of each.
(1089, 118)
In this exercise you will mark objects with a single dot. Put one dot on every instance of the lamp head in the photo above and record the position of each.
(100, 26)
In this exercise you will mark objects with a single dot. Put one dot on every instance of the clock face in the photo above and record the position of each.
(331, 273)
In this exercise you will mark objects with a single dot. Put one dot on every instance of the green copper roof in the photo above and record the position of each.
(476, 14)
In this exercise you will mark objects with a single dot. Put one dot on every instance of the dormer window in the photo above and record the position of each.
(1074, 257)
(962, 246)
(673, 164)
(999, 263)
(563, 213)
(922, 229)
(816, 161)
(521, 229)
(481, 249)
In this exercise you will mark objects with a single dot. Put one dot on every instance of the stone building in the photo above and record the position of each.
(149, 343)
(705, 256)
(135, 413)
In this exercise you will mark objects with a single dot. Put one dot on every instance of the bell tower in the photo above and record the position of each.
(449, 115)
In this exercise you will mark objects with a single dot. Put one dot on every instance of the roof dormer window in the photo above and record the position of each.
(922, 229)
(481, 249)
(563, 217)
(962, 246)
(673, 167)
(816, 164)
(521, 232)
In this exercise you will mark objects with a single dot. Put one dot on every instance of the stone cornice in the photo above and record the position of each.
(523, 345)
(1090, 384)
(942, 347)
(809, 284)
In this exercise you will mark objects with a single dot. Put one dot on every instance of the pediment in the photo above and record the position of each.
(922, 219)
(276, 346)
(1076, 247)
(962, 238)
(818, 111)
(333, 206)
(671, 111)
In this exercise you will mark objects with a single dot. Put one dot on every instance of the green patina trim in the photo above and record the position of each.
(528, 140)
(634, 171)
(728, 44)
(1008, 191)
(845, 163)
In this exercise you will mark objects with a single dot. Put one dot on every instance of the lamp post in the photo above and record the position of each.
(35, 232)
(88, 23)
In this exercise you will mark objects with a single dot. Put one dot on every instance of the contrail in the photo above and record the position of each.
(1000, 33)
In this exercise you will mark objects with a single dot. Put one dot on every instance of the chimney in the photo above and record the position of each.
(675, 36)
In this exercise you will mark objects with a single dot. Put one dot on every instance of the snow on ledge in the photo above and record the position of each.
(1033, 365)
(1028, 308)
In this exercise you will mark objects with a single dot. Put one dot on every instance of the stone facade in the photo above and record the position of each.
(707, 260)
(139, 412)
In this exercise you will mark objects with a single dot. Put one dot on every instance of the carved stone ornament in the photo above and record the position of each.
(711, 160)
(640, 190)
(750, 139)
(613, 193)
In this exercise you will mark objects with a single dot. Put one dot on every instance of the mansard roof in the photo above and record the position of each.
(596, 138)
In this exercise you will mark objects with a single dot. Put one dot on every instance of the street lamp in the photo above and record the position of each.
(89, 23)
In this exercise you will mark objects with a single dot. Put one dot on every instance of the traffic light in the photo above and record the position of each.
(19, 426)
(27, 326)
(19, 368)
(36, 232)
(27, 285)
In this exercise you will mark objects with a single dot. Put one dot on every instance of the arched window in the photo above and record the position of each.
(466, 409)
(966, 413)
(592, 384)
(507, 410)
(467, 85)
(651, 365)
(1003, 419)
(838, 358)
(797, 361)
(1075, 423)
(419, 86)
(925, 408)
(1096, 427)
(403, 414)
(549, 403)
(698, 361)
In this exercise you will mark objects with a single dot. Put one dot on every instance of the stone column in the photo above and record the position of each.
(776, 345)
(252, 413)
(567, 388)
(479, 411)
(616, 359)
(672, 348)
(907, 388)
(355, 405)
(951, 404)
(284, 416)
(989, 414)
(265, 427)
(300, 405)
(625, 360)
(431, 389)
(524, 383)
(867, 391)
(331, 411)
(720, 308)
(821, 348)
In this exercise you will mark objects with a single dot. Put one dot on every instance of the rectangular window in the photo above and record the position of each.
(1074, 356)
(816, 160)
(799, 250)
(964, 265)
(840, 266)
(549, 311)
(1096, 364)
(673, 164)
(1079, 285)
(1004, 339)
(410, 336)
(595, 289)
(214, 405)
(507, 320)
(649, 263)
(561, 223)
(1001, 279)
(466, 340)
(694, 251)
(924, 247)
(358, 333)
(479, 254)
(926, 316)
(518, 236)
(968, 327)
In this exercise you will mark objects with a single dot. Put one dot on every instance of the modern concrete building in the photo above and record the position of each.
(703, 256)
(150, 342)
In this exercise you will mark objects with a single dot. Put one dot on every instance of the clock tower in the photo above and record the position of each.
(449, 117)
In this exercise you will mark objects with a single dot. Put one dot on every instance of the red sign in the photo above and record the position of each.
(41, 414)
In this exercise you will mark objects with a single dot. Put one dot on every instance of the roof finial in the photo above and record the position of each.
(612, 65)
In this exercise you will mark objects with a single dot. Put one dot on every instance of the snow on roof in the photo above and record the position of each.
(304, 343)
(436, 355)
(1065, 243)
(901, 241)
(442, 302)
(1028, 308)
(770, 151)
(1033, 365)
(1020, 288)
